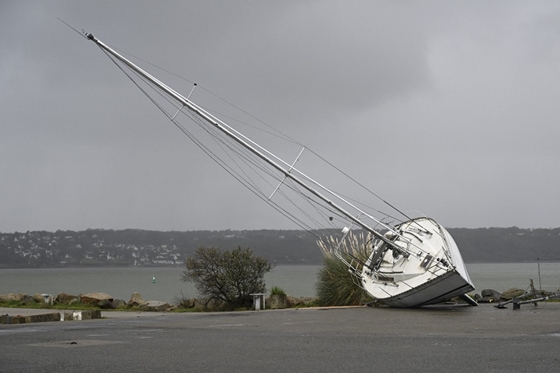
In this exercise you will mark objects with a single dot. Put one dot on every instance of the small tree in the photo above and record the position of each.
(227, 276)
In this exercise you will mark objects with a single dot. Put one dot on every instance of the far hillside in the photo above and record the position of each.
(133, 247)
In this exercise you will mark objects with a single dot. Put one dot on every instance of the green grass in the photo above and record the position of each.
(56, 306)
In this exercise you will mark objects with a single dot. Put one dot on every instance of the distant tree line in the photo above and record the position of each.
(106, 247)
(506, 244)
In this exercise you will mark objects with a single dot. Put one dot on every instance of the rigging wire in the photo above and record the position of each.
(243, 154)
(219, 161)
(276, 133)
(82, 34)
(250, 161)
(289, 139)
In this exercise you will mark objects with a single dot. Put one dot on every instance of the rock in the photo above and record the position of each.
(105, 304)
(293, 301)
(480, 299)
(26, 299)
(64, 298)
(202, 301)
(192, 303)
(512, 293)
(277, 301)
(186, 303)
(38, 298)
(6, 298)
(136, 300)
(93, 299)
(119, 303)
(491, 295)
(155, 305)
(73, 301)
(302, 301)
(205, 304)
(485, 300)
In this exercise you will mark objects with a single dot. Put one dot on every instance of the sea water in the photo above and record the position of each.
(164, 284)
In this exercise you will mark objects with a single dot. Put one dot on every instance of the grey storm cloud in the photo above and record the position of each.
(447, 108)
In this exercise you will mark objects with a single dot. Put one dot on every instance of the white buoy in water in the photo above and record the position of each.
(153, 280)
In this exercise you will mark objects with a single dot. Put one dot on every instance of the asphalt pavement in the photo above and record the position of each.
(429, 339)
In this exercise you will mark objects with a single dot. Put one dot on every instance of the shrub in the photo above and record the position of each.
(226, 276)
(182, 301)
(336, 286)
(275, 290)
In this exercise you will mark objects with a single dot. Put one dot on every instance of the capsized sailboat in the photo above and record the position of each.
(413, 261)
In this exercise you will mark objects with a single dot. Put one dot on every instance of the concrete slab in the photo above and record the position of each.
(29, 315)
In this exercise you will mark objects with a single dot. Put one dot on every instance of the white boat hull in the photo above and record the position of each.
(434, 271)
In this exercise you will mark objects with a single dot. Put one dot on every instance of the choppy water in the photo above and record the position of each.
(295, 280)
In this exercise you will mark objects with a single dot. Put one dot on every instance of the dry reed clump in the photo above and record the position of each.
(335, 284)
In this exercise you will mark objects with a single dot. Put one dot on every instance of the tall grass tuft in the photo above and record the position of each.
(335, 284)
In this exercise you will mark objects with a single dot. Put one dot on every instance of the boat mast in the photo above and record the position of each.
(242, 140)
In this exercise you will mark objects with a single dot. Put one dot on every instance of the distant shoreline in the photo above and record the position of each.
(130, 247)
(182, 266)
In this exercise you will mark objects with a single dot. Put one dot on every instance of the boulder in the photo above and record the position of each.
(293, 301)
(155, 305)
(210, 304)
(136, 300)
(105, 304)
(491, 295)
(119, 303)
(186, 303)
(93, 299)
(301, 301)
(479, 299)
(26, 299)
(6, 298)
(41, 298)
(73, 301)
(64, 298)
(512, 293)
(277, 301)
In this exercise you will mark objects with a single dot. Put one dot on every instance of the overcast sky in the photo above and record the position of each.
(450, 108)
